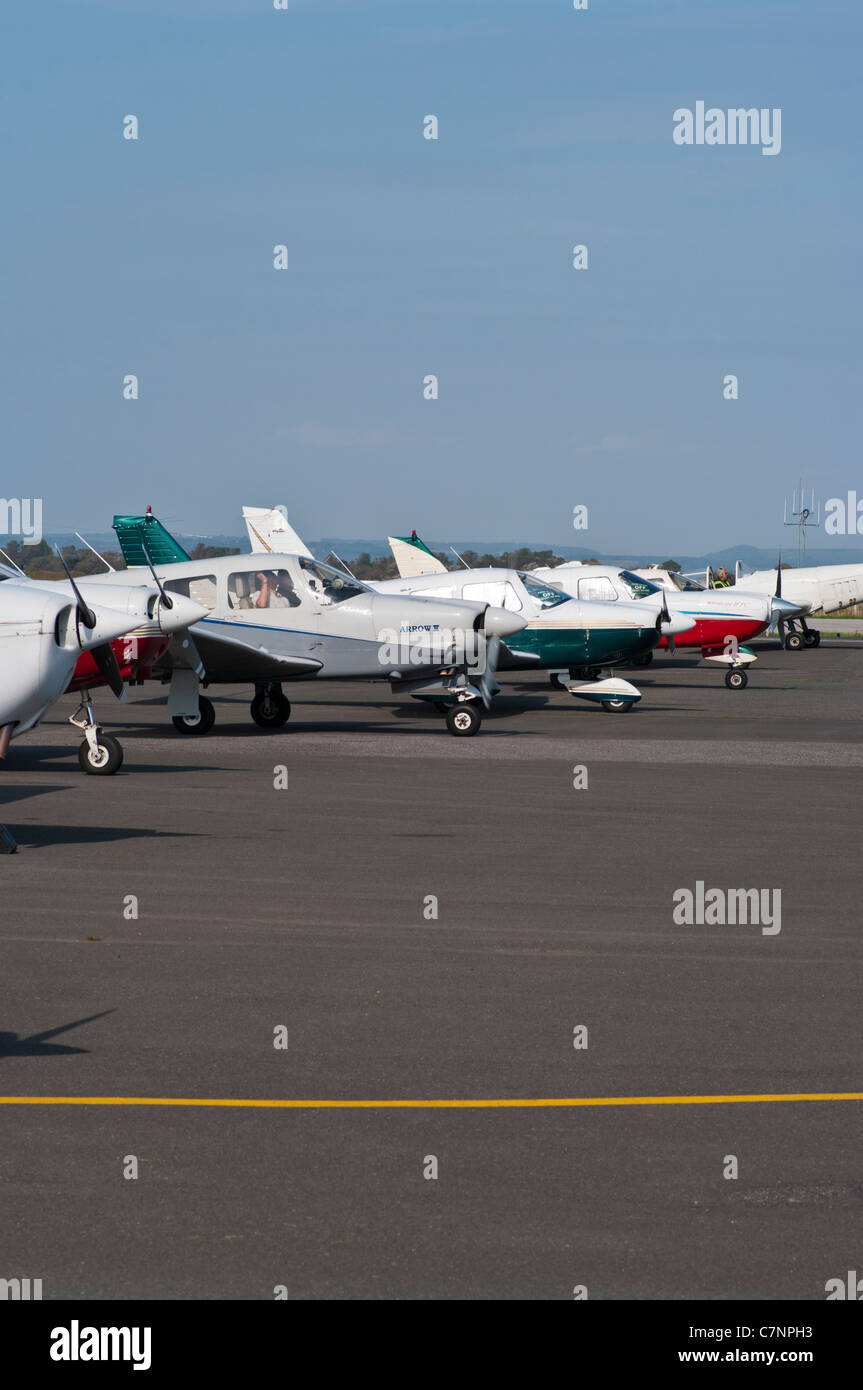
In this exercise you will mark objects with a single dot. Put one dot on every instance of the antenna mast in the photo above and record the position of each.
(801, 517)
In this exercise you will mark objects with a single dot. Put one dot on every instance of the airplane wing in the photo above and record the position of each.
(269, 530)
(413, 557)
(228, 658)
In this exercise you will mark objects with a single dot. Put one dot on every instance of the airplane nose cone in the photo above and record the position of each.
(182, 613)
(678, 623)
(784, 608)
(499, 622)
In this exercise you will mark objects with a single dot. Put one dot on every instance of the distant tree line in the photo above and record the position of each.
(42, 562)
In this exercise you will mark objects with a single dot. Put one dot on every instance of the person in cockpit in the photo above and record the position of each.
(275, 590)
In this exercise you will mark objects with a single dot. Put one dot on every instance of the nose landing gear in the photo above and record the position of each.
(99, 754)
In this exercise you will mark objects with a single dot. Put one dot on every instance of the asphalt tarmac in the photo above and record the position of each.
(309, 908)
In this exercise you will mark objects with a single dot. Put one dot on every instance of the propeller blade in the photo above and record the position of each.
(107, 662)
(778, 593)
(87, 616)
(663, 616)
(166, 599)
(487, 684)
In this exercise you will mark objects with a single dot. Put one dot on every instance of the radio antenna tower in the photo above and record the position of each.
(801, 517)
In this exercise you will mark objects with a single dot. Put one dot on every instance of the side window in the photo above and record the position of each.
(485, 593)
(256, 589)
(599, 587)
(511, 599)
(202, 588)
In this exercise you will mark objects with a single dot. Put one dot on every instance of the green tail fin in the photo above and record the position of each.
(133, 530)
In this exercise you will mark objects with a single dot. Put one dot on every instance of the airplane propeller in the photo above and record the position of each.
(165, 597)
(103, 655)
(780, 625)
(663, 617)
(488, 686)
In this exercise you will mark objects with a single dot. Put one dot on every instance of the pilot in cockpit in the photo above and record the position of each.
(275, 590)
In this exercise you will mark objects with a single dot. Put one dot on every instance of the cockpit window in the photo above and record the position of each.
(637, 587)
(201, 587)
(329, 585)
(262, 589)
(546, 595)
(683, 583)
(597, 586)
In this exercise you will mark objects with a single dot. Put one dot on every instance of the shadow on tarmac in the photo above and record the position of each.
(36, 1045)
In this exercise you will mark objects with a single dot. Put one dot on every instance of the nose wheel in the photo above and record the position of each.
(99, 754)
(736, 680)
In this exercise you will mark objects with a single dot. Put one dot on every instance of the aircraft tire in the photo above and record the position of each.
(270, 711)
(794, 641)
(617, 706)
(108, 760)
(812, 639)
(198, 724)
(736, 680)
(463, 719)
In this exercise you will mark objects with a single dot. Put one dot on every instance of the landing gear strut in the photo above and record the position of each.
(806, 637)
(99, 754)
(270, 709)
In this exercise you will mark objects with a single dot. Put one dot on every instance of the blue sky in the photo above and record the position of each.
(452, 257)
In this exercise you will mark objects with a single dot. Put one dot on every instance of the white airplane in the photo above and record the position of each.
(293, 618)
(819, 589)
(42, 635)
(719, 619)
(573, 640)
(45, 629)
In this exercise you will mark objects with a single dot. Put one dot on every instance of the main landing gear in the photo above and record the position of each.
(736, 676)
(616, 696)
(270, 708)
(464, 719)
(197, 724)
(99, 754)
(806, 637)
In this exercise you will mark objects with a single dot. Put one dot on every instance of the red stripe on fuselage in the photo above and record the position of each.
(712, 632)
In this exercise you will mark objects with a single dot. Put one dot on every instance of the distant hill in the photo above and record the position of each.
(756, 557)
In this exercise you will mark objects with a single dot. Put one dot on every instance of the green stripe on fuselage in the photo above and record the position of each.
(567, 646)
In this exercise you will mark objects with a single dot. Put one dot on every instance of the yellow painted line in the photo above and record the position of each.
(514, 1104)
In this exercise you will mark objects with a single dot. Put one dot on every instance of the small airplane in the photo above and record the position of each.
(42, 635)
(144, 624)
(819, 589)
(295, 618)
(720, 619)
(572, 640)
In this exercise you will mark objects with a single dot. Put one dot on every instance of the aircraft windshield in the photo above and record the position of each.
(329, 585)
(7, 574)
(637, 587)
(546, 595)
(686, 585)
